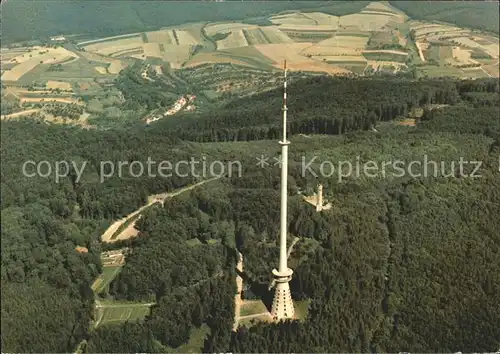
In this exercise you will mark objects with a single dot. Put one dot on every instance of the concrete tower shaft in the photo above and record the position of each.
(282, 307)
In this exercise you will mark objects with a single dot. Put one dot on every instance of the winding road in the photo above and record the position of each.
(152, 199)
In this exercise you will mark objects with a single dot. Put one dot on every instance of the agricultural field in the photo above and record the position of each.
(164, 36)
(364, 21)
(440, 71)
(275, 36)
(290, 52)
(61, 85)
(423, 30)
(323, 19)
(473, 43)
(385, 9)
(74, 71)
(377, 36)
(476, 73)
(214, 28)
(152, 50)
(243, 56)
(438, 53)
(111, 48)
(492, 70)
(186, 38)
(171, 45)
(255, 36)
(386, 55)
(234, 40)
(293, 19)
(386, 39)
(27, 61)
(347, 59)
(345, 40)
(176, 54)
(213, 58)
(308, 36)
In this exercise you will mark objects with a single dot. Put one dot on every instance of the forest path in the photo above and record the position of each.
(99, 304)
(21, 113)
(290, 249)
(420, 52)
(239, 285)
(152, 199)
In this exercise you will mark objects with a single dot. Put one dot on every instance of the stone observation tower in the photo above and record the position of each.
(317, 201)
(282, 307)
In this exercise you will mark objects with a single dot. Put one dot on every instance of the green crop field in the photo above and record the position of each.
(358, 69)
(76, 70)
(439, 71)
(107, 276)
(386, 57)
(120, 314)
(250, 56)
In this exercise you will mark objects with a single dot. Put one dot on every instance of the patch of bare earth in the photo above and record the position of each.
(409, 122)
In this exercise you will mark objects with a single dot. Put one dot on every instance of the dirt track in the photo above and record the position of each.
(152, 199)
(237, 297)
(22, 113)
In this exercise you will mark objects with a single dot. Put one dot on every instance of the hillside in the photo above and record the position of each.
(156, 65)
(27, 20)
(398, 264)
(473, 14)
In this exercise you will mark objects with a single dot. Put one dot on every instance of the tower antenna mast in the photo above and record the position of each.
(282, 307)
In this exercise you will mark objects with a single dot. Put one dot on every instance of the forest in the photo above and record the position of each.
(400, 263)
(39, 20)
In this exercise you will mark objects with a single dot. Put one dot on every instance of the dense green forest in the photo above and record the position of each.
(400, 263)
(473, 14)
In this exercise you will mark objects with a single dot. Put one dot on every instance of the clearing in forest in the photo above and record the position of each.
(107, 276)
(115, 312)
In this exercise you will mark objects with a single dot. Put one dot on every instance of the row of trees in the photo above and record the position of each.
(317, 105)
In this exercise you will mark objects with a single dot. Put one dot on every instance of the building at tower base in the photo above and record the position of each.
(282, 307)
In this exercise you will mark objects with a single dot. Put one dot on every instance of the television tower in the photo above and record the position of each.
(282, 307)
